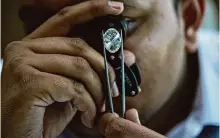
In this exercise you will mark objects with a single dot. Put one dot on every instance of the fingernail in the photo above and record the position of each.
(115, 91)
(86, 121)
(138, 120)
(115, 4)
(139, 89)
(137, 117)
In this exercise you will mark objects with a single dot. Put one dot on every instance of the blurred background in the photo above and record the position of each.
(12, 27)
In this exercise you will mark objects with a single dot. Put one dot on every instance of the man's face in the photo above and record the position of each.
(156, 39)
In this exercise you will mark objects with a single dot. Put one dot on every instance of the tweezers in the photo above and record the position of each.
(127, 79)
(109, 104)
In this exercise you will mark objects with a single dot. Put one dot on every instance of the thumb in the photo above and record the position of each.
(132, 115)
(111, 125)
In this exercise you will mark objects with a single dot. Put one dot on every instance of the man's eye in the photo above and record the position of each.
(127, 19)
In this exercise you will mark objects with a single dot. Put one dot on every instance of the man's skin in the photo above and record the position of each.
(48, 77)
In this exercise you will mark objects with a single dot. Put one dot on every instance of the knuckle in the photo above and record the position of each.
(98, 3)
(98, 6)
(79, 45)
(15, 52)
(82, 64)
(57, 85)
(55, 58)
(12, 46)
(16, 62)
(78, 41)
(79, 88)
(63, 12)
(24, 77)
(61, 84)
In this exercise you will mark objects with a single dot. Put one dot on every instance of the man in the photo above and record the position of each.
(52, 80)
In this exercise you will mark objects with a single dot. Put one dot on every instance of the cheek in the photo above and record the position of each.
(158, 47)
(160, 71)
(153, 42)
(155, 49)
(159, 50)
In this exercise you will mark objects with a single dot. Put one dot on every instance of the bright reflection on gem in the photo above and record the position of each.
(112, 40)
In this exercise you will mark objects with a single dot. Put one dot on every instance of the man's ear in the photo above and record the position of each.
(193, 12)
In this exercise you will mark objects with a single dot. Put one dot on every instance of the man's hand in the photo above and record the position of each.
(46, 78)
(111, 126)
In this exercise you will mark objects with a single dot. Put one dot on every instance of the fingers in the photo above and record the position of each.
(72, 47)
(132, 115)
(34, 61)
(43, 89)
(49, 88)
(111, 126)
(60, 23)
(75, 68)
